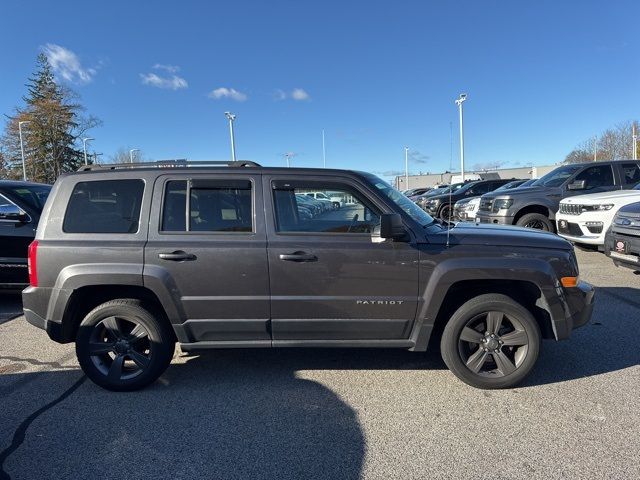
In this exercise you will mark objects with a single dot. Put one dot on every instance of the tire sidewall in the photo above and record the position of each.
(162, 348)
(538, 216)
(476, 306)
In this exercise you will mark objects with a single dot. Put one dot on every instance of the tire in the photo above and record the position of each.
(464, 345)
(445, 212)
(122, 346)
(536, 221)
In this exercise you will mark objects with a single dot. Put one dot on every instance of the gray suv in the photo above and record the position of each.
(536, 206)
(130, 259)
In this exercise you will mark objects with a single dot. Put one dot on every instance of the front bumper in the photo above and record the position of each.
(586, 229)
(631, 257)
(495, 218)
(579, 302)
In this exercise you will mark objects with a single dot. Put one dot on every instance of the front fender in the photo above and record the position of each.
(450, 271)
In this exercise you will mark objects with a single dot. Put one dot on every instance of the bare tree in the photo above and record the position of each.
(613, 144)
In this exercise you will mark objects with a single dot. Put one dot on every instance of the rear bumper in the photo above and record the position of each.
(35, 302)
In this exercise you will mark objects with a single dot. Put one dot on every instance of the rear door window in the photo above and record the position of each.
(630, 173)
(104, 206)
(214, 206)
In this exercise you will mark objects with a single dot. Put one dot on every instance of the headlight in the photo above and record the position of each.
(603, 206)
(501, 204)
(470, 206)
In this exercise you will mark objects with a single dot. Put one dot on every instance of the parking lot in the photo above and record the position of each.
(332, 413)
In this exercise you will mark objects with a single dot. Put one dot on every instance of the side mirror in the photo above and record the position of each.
(12, 213)
(391, 226)
(577, 185)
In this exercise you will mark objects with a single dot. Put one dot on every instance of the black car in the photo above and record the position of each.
(460, 207)
(622, 241)
(21, 204)
(441, 206)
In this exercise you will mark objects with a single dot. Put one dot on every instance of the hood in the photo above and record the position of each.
(500, 236)
(523, 191)
(632, 209)
(595, 198)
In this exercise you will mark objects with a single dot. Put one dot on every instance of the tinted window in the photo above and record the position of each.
(33, 195)
(557, 177)
(106, 206)
(331, 209)
(597, 176)
(630, 173)
(214, 206)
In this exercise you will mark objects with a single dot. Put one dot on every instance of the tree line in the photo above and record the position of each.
(615, 143)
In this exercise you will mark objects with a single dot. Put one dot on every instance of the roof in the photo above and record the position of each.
(20, 183)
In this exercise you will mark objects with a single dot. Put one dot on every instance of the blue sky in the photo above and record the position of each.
(541, 76)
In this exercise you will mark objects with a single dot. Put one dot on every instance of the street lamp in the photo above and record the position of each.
(406, 168)
(635, 141)
(84, 148)
(24, 166)
(324, 152)
(131, 154)
(231, 118)
(459, 102)
(289, 156)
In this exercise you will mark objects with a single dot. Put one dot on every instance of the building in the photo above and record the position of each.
(431, 179)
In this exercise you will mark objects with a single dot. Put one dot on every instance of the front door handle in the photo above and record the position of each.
(298, 257)
(177, 256)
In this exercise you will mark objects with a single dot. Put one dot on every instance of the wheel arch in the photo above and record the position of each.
(534, 208)
(458, 280)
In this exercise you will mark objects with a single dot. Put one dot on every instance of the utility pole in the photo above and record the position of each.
(406, 168)
(459, 102)
(324, 152)
(231, 117)
(24, 165)
(84, 148)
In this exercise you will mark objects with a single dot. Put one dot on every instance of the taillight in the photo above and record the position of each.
(31, 262)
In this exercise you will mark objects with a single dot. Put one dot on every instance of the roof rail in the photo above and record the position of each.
(179, 163)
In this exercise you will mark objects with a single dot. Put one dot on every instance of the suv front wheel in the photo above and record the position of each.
(122, 346)
(491, 341)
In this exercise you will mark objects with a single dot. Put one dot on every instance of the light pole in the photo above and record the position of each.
(406, 168)
(84, 148)
(24, 166)
(324, 152)
(231, 118)
(289, 156)
(595, 149)
(131, 154)
(635, 141)
(459, 102)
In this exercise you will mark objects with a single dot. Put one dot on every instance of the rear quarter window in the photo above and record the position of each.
(104, 206)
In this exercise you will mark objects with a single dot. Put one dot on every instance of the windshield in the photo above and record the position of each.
(410, 208)
(33, 195)
(557, 177)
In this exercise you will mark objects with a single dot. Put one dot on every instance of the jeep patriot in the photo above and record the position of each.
(130, 259)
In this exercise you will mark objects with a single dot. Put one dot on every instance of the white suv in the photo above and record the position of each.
(586, 218)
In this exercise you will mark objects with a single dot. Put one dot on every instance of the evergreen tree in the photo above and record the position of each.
(52, 136)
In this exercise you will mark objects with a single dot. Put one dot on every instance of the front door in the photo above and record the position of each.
(207, 238)
(330, 279)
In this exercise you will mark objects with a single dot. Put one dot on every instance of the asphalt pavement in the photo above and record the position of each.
(316, 413)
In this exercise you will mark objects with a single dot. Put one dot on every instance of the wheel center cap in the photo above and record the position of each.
(121, 346)
(492, 343)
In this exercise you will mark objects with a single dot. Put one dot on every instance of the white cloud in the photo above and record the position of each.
(66, 64)
(167, 68)
(231, 93)
(171, 82)
(299, 94)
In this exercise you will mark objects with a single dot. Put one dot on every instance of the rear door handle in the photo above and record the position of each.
(298, 257)
(177, 256)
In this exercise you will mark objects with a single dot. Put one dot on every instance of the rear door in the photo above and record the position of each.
(629, 174)
(330, 280)
(207, 242)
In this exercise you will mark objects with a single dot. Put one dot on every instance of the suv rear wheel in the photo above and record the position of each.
(537, 221)
(122, 346)
(491, 341)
